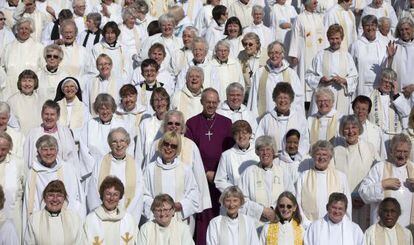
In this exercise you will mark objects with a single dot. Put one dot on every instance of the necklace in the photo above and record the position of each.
(209, 133)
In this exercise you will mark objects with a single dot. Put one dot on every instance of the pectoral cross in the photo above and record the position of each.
(209, 134)
(127, 238)
(96, 241)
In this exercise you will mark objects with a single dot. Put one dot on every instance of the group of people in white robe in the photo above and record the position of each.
(95, 97)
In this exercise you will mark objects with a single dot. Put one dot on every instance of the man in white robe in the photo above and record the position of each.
(391, 179)
(334, 227)
(187, 100)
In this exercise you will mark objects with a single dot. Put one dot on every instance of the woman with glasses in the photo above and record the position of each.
(122, 165)
(232, 227)
(109, 223)
(164, 229)
(168, 174)
(288, 229)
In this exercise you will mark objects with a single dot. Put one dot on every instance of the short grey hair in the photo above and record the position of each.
(121, 130)
(232, 191)
(126, 13)
(402, 21)
(384, 20)
(104, 100)
(222, 43)
(47, 141)
(67, 23)
(193, 30)
(53, 47)
(257, 8)
(171, 113)
(350, 119)
(95, 17)
(141, 6)
(369, 19)
(264, 141)
(234, 86)
(196, 69)
(253, 36)
(200, 40)
(166, 18)
(274, 43)
(4, 108)
(389, 74)
(77, 2)
(325, 91)
(322, 145)
(400, 138)
(209, 90)
(21, 21)
(6, 136)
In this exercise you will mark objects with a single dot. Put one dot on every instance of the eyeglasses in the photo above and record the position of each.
(248, 44)
(115, 142)
(172, 146)
(49, 56)
(3, 19)
(173, 123)
(164, 210)
(285, 206)
(113, 194)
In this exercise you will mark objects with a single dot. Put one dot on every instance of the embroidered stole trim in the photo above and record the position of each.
(377, 116)
(174, 233)
(310, 191)
(130, 176)
(273, 234)
(260, 185)
(76, 117)
(332, 125)
(186, 154)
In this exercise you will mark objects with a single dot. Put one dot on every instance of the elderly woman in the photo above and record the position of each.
(233, 31)
(67, 149)
(307, 40)
(369, 53)
(393, 178)
(288, 229)
(251, 58)
(232, 227)
(282, 118)
(181, 184)
(380, 8)
(265, 79)
(130, 38)
(226, 67)
(52, 73)
(8, 232)
(27, 116)
(354, 157)
(149, 128)
(318, 182)
(122, 165)
(54, 224)
(334, 69)
(13, 177)
(164, 228)
(105, 82)
(264, 33)
(74, 114)
(6, 35)
(109, 45)
(94, 134)
(129, 110)
(388, 229)
(236, 160)
(263, 183)
(109, 222)
(48, 167)
(21, 54)
(17, 137)
(324, 124)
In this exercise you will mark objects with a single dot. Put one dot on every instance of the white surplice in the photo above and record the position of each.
(213, 34)
(115, 13)
(373, 134)
(242, 11)
(324, 123)
(403, 63)
(49, 81)
(74, 115)
(227, 73)
(338, 15)
(266, 35)
(187, 102)
(282, 14)
(8, 232)
(6, 37)
(385, 10)
(233, 162)
(210, 77)
(390, 236)
(203, 19)
(165, 235)
(325, 232)
(241, 114)
(78, 62)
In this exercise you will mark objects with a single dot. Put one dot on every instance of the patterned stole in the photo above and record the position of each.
(130, 176)
(377, 115)
(273, 233)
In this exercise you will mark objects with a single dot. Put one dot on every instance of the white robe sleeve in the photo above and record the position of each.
(314, 74)
(371, 190)
(136, 206)
(250, 208)
(8, 234)
(191, 200)
(213, 232)
(221, 179)
(93, 198)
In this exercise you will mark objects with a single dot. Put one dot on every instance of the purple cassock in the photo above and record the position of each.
(213, 137)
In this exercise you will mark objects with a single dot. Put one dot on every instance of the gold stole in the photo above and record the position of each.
(183, 106)
(310, 189)
(33, 188)
(130, 176)
(260, 185)
(224, 234)
(175, 236)
(273, 233)
(66, 224)
(261, 98)
(332, 125)
(380, 234)
(377, 115)
(342, 22)
(112, 90)
(76, 117)
(387, 173)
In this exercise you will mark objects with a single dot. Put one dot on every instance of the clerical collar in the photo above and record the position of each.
(285, 220)
(53, 214)
(12, 5)
(68, 44)
(383, 93)
(243, 149)
(292, 156)
(112, 45)
(197, 63)
(52, 71)
(209, 118)
(233, 218)
(234, 109)
(279, 114)
(119, 158)
(106, 123)
(50, 130)
(185, 48)
(222, 61)
(266, 168)
(98, 31)
(150, 87)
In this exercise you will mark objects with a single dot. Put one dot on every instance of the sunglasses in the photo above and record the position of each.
(285, 206)
(48, 56)
(248, 44)
(3, 19)
(172, 146)
(173, 123)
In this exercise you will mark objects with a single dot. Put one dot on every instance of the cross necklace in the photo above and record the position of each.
(209, 133)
